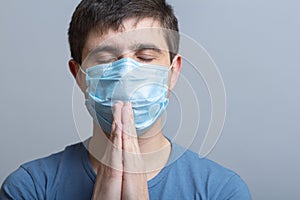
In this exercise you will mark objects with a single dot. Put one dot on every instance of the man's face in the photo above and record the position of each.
(143, 41)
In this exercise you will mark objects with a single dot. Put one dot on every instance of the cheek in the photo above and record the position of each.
(81, 82)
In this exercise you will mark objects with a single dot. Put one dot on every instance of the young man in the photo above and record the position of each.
(124, 59)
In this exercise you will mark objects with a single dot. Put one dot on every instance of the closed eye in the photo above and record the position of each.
(145, 58)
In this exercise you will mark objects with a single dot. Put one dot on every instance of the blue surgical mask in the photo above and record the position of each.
(144, 85)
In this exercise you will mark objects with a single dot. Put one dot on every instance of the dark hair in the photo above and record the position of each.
(102, 15)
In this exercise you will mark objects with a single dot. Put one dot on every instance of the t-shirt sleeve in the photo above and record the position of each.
(235, 189)
(18, 185)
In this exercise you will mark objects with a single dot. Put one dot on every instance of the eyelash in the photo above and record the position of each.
(141, 58)
(145, 59)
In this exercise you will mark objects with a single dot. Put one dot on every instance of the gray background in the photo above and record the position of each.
(255, 44)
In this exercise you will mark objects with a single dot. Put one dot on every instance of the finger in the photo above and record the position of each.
(113, 154)
(128, 120)
(132, 158)
(116, 134)
(129, 136)
(117, 120)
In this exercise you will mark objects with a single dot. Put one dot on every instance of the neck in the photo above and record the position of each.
(154, 147)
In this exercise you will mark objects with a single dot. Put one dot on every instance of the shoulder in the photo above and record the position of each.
(71, 152)
(18, 184)
(220, 181)
(51, 164)
(30, 180)
(185, 158)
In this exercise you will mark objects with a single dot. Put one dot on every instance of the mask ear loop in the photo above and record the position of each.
(82, 70)
(171, 66)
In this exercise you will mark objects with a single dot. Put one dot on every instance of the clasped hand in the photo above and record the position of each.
(122, 174)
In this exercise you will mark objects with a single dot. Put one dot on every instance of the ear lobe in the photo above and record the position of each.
(176, 68)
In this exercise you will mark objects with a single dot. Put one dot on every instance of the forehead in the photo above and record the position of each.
(145, 31)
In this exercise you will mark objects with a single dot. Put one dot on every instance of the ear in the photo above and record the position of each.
(74, 67)
(176, 68)
(77, 74)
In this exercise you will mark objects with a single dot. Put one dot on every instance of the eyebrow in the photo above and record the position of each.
(139, 47)
(108, 49)
(116, 51)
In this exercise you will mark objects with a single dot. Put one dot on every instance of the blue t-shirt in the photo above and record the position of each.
(69, 175)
